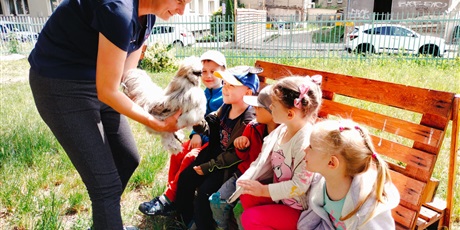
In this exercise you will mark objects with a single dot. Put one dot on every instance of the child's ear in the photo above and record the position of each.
(290, 113)
(333, 162)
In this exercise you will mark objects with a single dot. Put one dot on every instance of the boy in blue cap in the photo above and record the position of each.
(163, 205)
(218, 161)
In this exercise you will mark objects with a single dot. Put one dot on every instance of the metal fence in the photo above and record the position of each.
(253, 35)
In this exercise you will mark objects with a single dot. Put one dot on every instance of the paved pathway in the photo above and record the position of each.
(12, 57)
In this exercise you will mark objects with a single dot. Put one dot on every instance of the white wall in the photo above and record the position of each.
(39, 8)
(251, 25)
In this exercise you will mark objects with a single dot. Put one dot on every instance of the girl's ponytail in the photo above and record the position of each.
(383, 173)
(383, 177)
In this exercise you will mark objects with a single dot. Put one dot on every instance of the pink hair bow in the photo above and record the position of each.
(303, 92)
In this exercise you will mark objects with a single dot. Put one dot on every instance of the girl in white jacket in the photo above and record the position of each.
(275, 184)
(354, 189)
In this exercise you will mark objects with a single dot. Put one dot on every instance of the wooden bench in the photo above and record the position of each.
(410, 147)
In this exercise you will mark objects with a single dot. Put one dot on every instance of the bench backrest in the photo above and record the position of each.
(409, 134)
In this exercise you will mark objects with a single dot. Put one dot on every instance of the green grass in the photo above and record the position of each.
(40, 189)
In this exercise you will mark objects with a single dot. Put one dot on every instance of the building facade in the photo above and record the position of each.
(277, 9)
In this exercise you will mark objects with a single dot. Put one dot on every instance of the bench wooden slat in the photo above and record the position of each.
(400, 227)
(421, 223)
(416, 132)
(404, 216)
(429, 215)
(437, 204)
(417, 163)
(410, 190)
(432, 121)
(413, 99)
(430, 190)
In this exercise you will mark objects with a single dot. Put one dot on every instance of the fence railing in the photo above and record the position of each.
(256, 36)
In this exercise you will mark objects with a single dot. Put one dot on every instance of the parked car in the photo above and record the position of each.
(392, 38)
(172, 35)
(12, 30)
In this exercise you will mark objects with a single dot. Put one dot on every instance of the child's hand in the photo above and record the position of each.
(193, 153)
(241, 142)
(253, 187)
(195, 142)
(198, 170)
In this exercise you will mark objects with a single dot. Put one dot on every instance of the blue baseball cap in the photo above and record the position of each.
(241, 75)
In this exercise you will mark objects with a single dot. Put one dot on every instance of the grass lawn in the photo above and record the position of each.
(40, 189)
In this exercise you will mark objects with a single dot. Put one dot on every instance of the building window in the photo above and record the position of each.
(12, 8)
(211, 6)
(329, 1)
(18, 7)
(200, 7)
(339, 1)
(192, 6)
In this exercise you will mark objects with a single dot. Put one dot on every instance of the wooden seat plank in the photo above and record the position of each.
(417, 164)
(404, 216)
(416, 132)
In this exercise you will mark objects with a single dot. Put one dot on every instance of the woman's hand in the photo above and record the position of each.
(241, 142)
(253, 187)
(195, 142)
(168, 125)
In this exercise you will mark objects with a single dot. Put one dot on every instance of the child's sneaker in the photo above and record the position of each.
(220, 210)
(160, 205)
(237, 212)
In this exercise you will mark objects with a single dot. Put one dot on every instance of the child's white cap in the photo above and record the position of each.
(263, 100)
(215, 56)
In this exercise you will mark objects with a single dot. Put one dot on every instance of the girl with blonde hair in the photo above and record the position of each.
(352, 188)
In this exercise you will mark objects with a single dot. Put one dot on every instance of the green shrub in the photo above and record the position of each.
(215, 20)
(159, 58)
(222, 24)
(329, 35)
(207, 38)
(224, 36)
